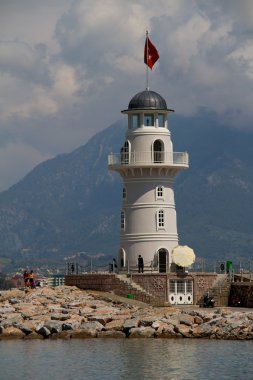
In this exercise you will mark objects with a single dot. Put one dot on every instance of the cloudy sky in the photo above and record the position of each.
(68, 67)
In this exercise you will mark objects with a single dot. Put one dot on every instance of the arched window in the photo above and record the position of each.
(160, 220)
(122, 220)
(122, 258)
(162, 259)
(124, 153)
(158, 151)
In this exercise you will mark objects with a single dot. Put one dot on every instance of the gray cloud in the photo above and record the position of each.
(20, 60)
(67, 68)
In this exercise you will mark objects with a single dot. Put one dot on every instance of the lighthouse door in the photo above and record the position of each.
(158, 151)
(162, 260)
(122, 258)
(124, 153)
(181, 292)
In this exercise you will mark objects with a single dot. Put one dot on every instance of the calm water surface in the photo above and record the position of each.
(126, 359)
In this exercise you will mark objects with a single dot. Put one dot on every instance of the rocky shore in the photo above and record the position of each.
(67, 312)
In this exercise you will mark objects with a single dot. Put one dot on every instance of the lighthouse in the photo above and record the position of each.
(148, 166)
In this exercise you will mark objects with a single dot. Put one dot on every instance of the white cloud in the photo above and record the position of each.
(65, 83)
(243, 58)
(32, 21)
(40, 104)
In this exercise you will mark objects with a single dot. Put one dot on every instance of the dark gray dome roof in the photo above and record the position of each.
(147, 100)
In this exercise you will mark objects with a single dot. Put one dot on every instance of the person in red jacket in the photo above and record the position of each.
(26, 278)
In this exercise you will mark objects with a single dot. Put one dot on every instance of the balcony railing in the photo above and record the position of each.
(149, 158)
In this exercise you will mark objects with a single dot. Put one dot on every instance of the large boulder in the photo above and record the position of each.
(92, 326)
(185, 319)
(44, 331)
(131, 323)
(83, 333)
(141, 332)
(116, 325)
(111, 334)
(164, 330)
(54, 326)
(12, 333)
(103, 319)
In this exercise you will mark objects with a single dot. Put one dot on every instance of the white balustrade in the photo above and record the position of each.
(147, 158)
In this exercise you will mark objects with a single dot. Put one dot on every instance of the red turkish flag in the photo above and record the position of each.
(150, 53)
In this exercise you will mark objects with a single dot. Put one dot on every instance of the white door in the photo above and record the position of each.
(181, 292)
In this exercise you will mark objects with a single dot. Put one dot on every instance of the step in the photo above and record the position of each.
(149, 298)
(128, 281)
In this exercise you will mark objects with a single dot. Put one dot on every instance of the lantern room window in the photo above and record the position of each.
(135, 121)
(161, 120)
(148, 120)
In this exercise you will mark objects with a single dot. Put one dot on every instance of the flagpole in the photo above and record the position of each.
(147, 87)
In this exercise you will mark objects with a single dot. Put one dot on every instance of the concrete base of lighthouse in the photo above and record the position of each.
(156, 254)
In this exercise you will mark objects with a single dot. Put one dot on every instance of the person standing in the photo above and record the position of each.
(114, 265)
(26, 278)
(140, 264)
(31, 279)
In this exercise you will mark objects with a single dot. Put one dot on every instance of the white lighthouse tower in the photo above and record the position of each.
(148, 166)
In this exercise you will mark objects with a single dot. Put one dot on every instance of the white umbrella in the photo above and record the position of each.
(183, 255)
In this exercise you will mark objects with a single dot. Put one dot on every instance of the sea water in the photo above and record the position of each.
(130, 359)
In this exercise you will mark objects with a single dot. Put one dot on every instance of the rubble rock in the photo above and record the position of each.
(115, 325)
(68, 312)
(44, 331)
(142, 332)
(111, 334)
(12, 333)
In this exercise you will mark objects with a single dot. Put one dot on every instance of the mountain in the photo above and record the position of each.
(72, 203)
(215, 196)
(64, 205)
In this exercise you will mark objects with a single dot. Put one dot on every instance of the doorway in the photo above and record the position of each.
(122, 258)
(162, 260)
(158, 151)
(124, 153)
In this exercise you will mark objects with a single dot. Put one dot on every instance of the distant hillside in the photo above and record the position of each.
(215, 196)
(72, 203)
(65, 205)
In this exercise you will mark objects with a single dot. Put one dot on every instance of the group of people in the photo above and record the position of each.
(29, 279)
(114, 266)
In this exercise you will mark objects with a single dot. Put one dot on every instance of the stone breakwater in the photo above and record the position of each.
(67, 312)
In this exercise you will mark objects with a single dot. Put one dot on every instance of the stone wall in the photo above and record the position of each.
(244, 292)
(155, 284)
(108, 283)
(93, 281)
(202, 282)
(158, 284)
